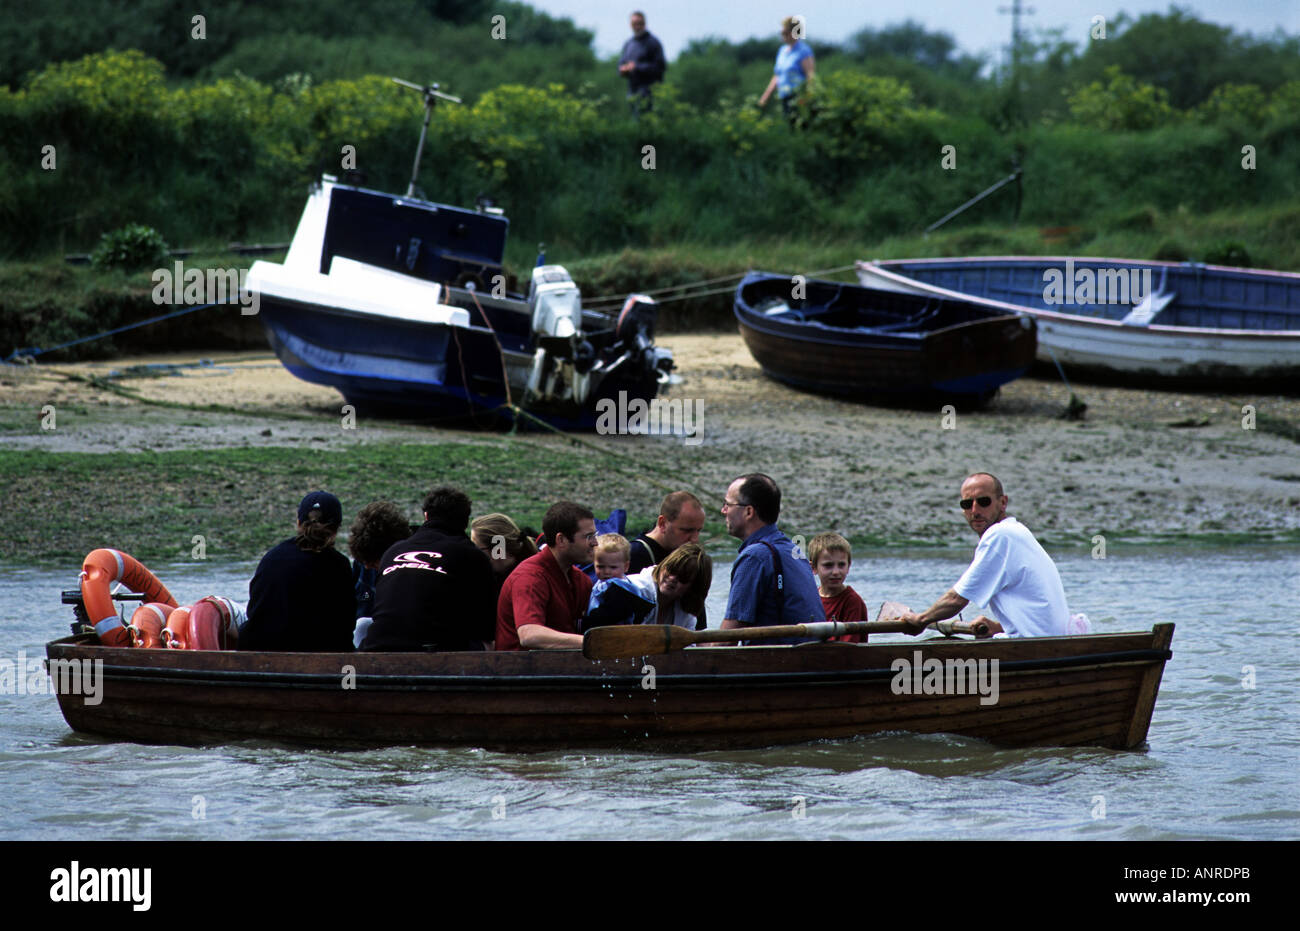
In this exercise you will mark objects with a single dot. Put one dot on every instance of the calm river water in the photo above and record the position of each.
(1221, 763)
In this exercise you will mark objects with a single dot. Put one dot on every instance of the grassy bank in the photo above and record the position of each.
(231, 159)
(59, 506)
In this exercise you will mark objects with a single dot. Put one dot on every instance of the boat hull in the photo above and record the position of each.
(424, 371)
(964, 353)
(1224, 327)
(1096, 690)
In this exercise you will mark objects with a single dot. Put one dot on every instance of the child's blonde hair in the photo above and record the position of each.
(828, 542)
(614, 543)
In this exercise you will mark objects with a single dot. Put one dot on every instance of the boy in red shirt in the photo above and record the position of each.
(831, 558)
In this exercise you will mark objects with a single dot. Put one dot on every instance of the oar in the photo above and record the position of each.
(628, 641)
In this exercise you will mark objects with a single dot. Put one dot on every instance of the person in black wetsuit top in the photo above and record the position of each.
(435, 589)
(301, 597)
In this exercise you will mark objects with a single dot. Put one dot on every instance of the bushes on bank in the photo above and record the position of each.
(130, 248)
(232, 159)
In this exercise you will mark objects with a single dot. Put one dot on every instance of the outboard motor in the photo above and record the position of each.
(636, 322)
(556, 303)
(557, 325)
(635, 330)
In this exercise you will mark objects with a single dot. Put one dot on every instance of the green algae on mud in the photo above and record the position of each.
(156, 505)
(241, 501)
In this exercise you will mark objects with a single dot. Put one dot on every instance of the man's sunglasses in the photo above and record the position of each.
(983, 501)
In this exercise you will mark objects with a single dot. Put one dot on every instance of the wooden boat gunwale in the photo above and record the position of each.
(218, 677)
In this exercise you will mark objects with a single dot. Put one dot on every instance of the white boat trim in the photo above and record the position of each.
(359, 288)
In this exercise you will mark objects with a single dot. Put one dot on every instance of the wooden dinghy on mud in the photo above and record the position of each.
(881, 345)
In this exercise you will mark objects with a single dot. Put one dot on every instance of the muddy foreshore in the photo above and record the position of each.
(1140, 466)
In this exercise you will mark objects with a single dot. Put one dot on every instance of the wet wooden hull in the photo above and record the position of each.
(880, 345)
(1094, 690)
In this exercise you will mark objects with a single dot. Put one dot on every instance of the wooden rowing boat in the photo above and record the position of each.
(880, 344)
(1096, 690)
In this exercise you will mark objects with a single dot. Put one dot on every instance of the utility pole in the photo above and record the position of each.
(1016, 9)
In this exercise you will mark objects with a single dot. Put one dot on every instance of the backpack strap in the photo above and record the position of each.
(780, 580)
(649, 552)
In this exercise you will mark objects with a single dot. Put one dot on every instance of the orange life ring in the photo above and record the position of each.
(208, 624)
(101, 569)
(176, 632)
(212, 625)
(147, 624)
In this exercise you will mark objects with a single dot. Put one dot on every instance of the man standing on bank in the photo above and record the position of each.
(770, 584)
(1011, 572)
(642, 63)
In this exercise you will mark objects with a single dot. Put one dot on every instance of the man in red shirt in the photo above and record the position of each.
(545, 596)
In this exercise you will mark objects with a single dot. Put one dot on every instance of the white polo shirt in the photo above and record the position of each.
(1013, 575)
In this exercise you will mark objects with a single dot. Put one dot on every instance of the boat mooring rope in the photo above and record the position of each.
(30, 353)
(638, 469)
(605, 301)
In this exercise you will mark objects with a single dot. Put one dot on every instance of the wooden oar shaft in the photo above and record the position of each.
(632, 640)
(824, 629)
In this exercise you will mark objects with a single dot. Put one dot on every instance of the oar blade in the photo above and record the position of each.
(891, 610)
(632, 640)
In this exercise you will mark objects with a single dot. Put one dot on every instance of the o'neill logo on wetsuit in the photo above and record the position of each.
(414, 561)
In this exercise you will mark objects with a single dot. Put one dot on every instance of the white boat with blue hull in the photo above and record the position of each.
(401, 304)
(1185, 324)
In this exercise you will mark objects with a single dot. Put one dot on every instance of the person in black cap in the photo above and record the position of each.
(301, 597)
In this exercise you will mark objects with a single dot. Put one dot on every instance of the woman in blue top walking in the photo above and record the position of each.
(794, 66)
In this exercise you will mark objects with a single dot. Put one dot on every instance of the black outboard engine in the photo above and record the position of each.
(636, 322)
(635, 329)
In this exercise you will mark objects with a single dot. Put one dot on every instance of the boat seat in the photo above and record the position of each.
(911, 323)
(1145, 310)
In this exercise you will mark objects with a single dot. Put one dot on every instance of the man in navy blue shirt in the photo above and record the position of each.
(642, 63)
(770, 585)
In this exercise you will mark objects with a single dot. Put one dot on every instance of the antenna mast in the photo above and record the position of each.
(431, 96)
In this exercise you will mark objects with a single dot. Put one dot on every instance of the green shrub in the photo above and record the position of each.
(1235, 104)
(1228, 252)
(131, 247)
(1122, 103)
(1170, 251)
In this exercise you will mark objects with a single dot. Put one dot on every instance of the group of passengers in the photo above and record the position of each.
(453, 585)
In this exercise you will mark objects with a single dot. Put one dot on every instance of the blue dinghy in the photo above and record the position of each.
(1164, 322)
